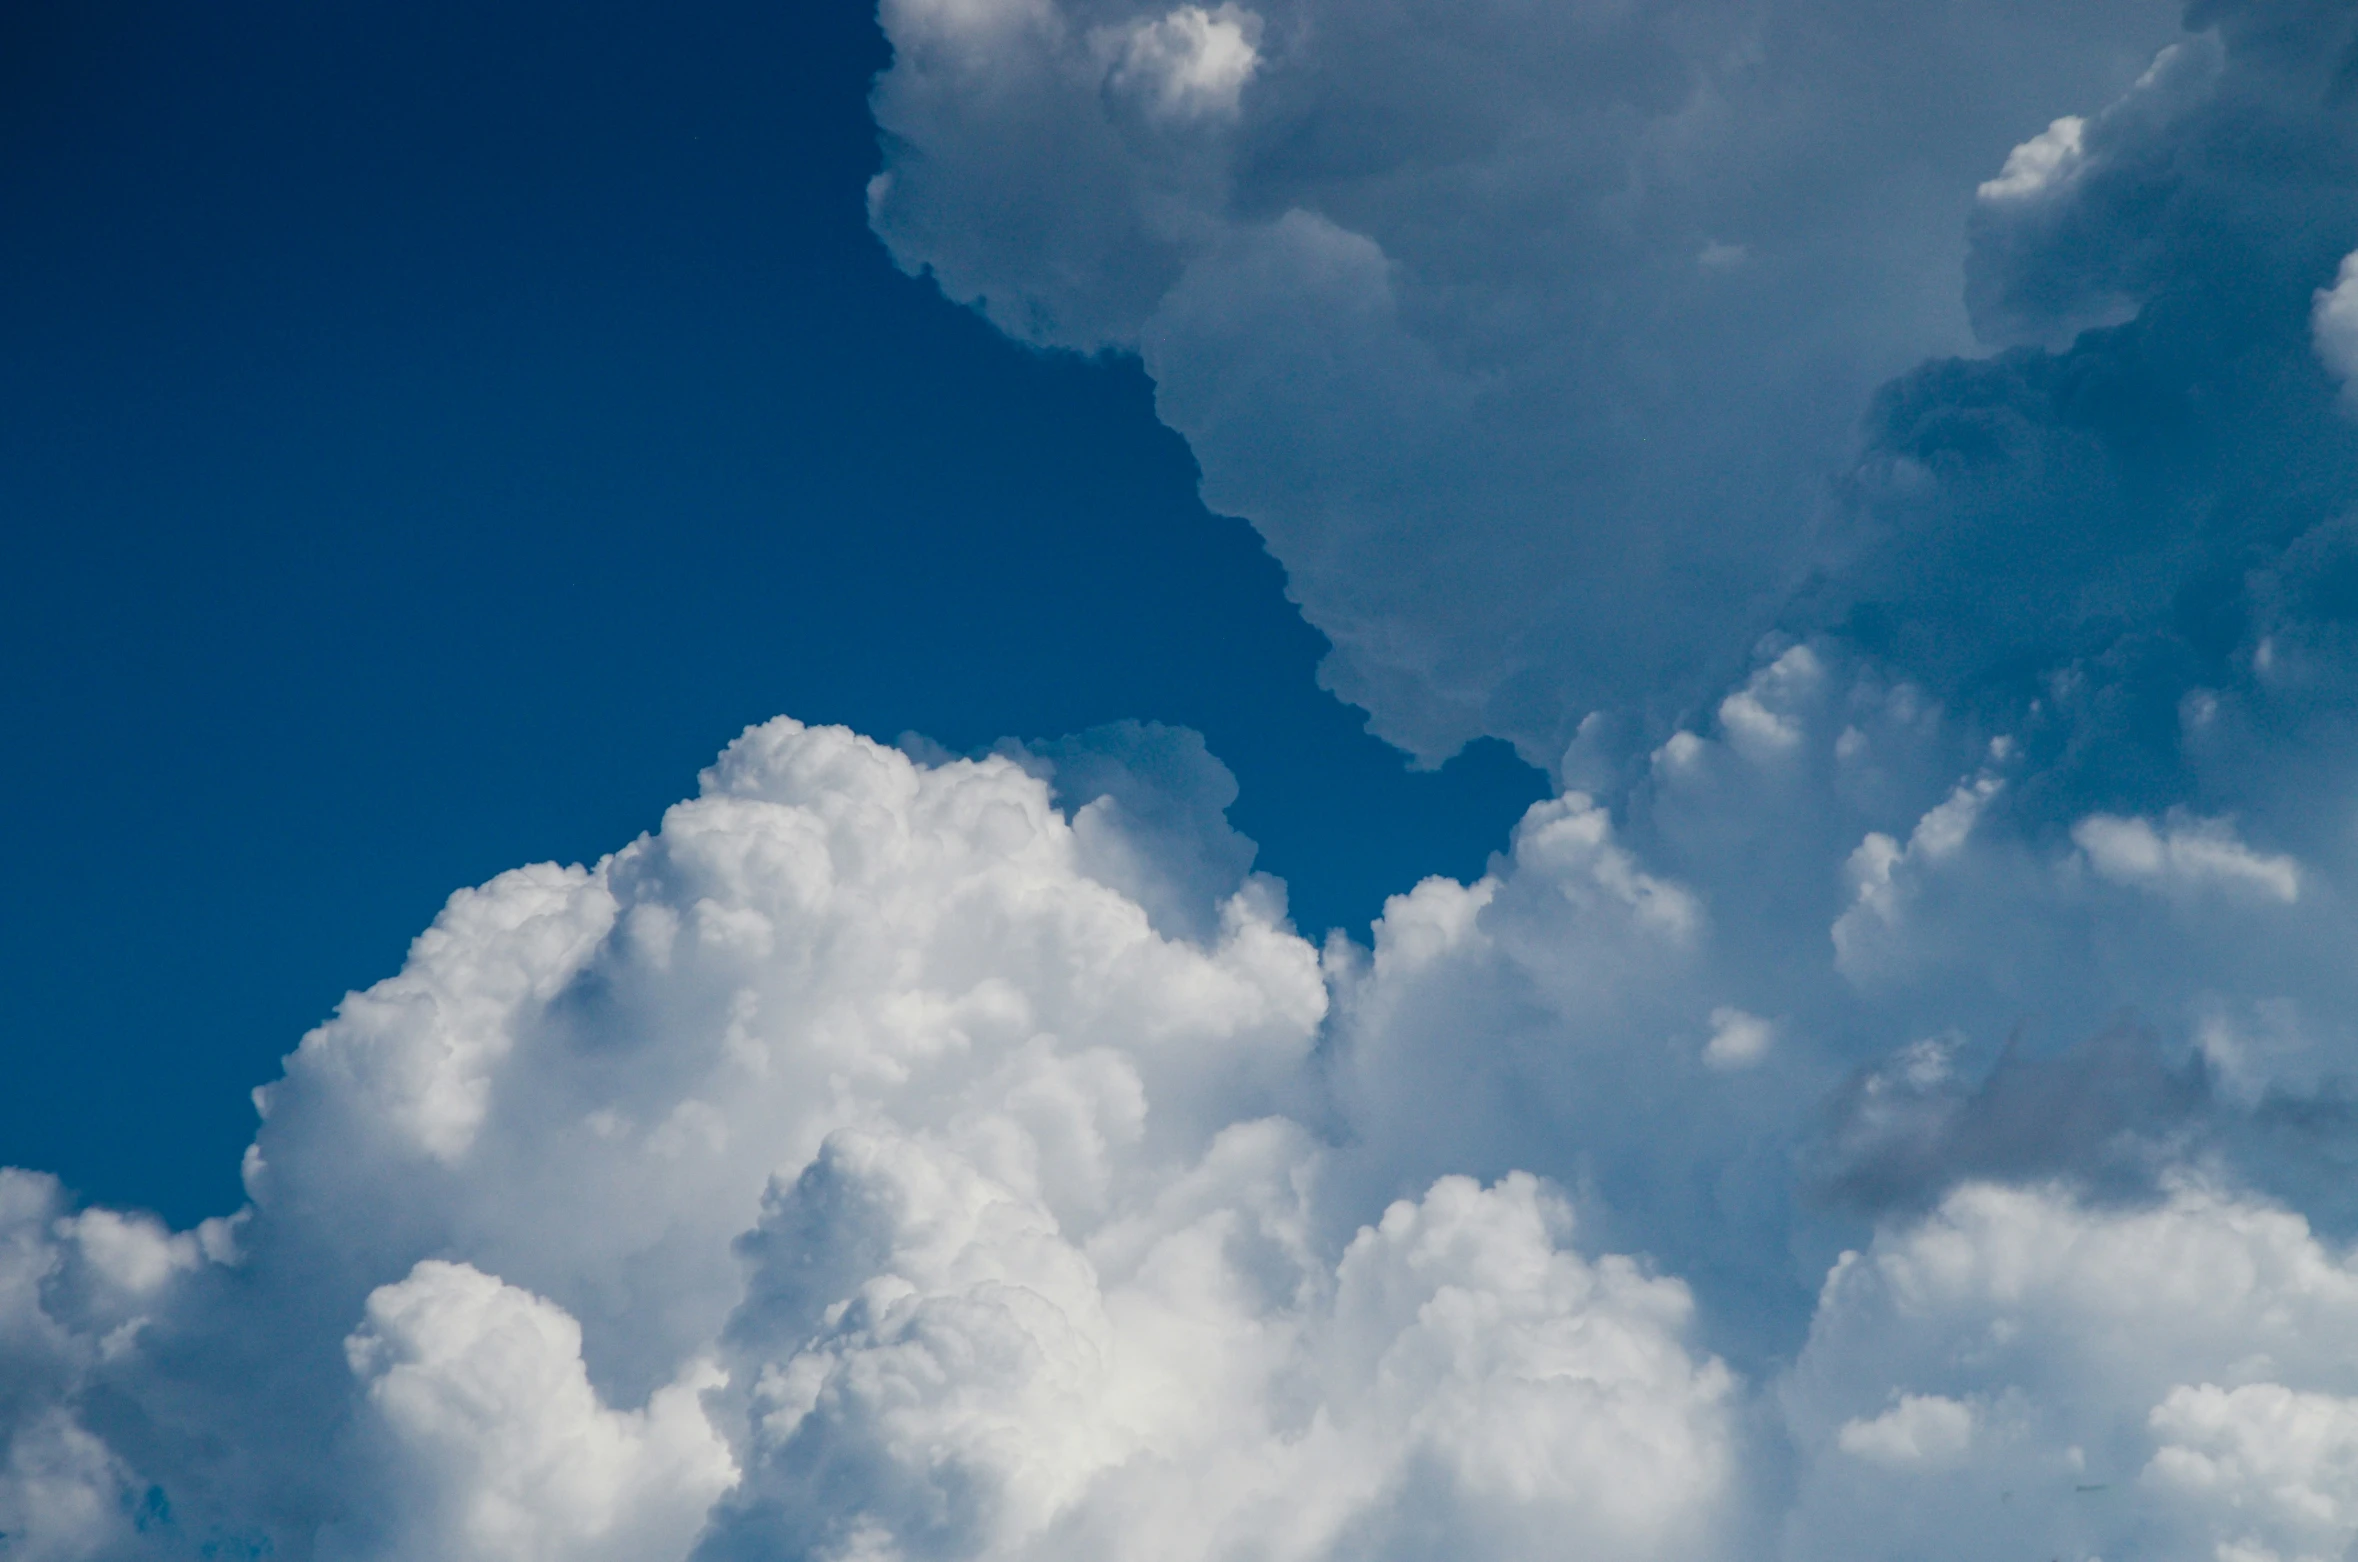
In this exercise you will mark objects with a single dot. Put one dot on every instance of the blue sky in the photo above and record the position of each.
(426, 435)
(1294, 780)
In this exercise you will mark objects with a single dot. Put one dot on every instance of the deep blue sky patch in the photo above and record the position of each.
(427, 433)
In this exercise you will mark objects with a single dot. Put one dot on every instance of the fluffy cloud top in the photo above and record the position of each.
(847, 1170)
(841, 1171)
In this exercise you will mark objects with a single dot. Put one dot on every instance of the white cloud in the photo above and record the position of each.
(1043, 1267)
(509, 1454)
(2186, 854)
(512, 1173)
(1738, 1040)
(2333, 322)
(1558, 1394)
(2068, 1368)
(63, 1493)
(133, 1252)
(2276, 1469)
(1194, 1380)
(422, 1046)
(1190, 63)
(1886, 877)
(2260, 1044)
(1918, 1430)
(2039, 164)
(854, 1168)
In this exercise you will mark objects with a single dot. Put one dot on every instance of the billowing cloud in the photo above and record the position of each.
(851, 1169)
(500, 1445)
(2125, 520)
(1528, 338)
(1195, 1382)
(848, 1169)
(1895, 1099)
(2025, 1371)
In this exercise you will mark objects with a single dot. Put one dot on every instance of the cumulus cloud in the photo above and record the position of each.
(63, 1492)
(1528, 338)
(1195, 1382)
(1190, 63)
(504, 1449)
(479, 1297)
(847, 1169)
(852, 1168)
(1895, 1099)
(2039, 164)
(2185, 855)
(2277, 1467)
(2151, 1381)
(1886, 876)
(1918, 1430)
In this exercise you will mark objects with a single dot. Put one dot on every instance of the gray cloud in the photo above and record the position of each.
(1528, 340)
(2109, 1115)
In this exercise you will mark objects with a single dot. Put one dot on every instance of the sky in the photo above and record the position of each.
(1034, 779)
(421, 431)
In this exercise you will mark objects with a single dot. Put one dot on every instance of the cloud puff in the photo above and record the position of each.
(551, 1126)
(2039, 164)
(63, 1492)
(2185, 855)
(1190, 63)
(2022, 1370)
(848, 1169)
(2276, 1466)
(1194, 1381)
(503, 1448)
(1919, 1430)
(1738, 1040)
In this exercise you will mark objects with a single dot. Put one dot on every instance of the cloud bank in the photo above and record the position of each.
(847, 1170)
(1895, 1099)
(840, 1171)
